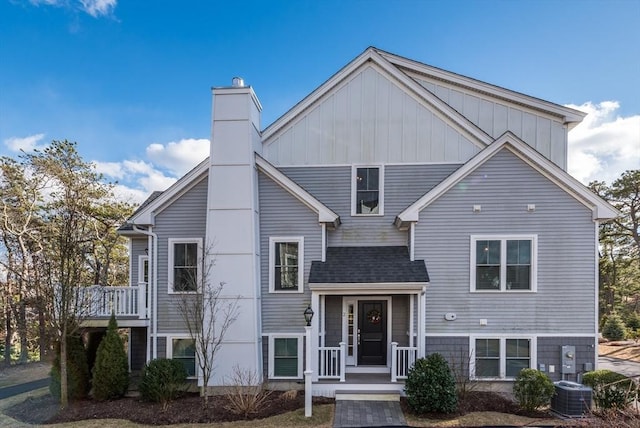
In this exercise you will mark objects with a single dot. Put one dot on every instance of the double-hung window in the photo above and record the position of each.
(500, 358)
(184, 257)
(286, 264)
(184, 351)
(285, 357)
(367, 190)
(505, 263)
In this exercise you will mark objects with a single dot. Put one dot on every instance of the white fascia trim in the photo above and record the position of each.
(570, 115)
(271, 366)
(357, 288)
(146, 216)
(325, 215)
(421, 94)
(600, 208)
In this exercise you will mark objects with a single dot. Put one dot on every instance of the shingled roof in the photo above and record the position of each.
(368, 265)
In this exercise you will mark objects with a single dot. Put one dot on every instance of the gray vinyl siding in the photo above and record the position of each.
(162, 348)
(503, 186)
(283, 215)
(400, 320)
(138, 245)
(186, 217)
(454, 349)
(333, 320)
(403, 185)
(549, 353)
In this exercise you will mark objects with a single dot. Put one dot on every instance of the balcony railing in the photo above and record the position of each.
(402, 359)
(332, 362)
(101, 301)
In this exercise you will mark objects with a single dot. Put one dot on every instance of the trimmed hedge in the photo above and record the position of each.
(533, 389)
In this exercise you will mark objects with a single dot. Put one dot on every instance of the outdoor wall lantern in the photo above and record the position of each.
(308, 315)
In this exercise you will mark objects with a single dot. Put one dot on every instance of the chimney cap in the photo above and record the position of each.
(237, 82)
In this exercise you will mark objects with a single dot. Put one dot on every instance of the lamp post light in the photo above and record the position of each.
(308, 317)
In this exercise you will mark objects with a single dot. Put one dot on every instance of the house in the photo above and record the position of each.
(414, 210)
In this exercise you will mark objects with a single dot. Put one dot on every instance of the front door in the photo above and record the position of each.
(372, 332)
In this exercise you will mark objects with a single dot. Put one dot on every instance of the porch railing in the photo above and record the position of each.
(101, 301)
(332, 362)
(402, 359)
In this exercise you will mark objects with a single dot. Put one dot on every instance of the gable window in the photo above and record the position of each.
(285, 357)
(367, 191)
(503, 263)
(286, 264)
(184, 350)
(184, 257)
(500, 358)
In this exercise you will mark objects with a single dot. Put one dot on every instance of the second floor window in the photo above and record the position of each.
(503, 263)
(286, 264)
(367, 191)
(183, 270)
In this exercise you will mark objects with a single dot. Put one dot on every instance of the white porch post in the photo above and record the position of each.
(307, 375)
(421, 323)
(394, 361)
(315, 332)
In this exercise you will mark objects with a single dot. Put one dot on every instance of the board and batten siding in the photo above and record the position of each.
(403, 185)
(544, 132)
(566, 286)
(183, 218)
(368, 118)
(282, 215)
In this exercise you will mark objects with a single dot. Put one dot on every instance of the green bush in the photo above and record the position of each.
(162, 381)
(111, 369)
(533, 389)
(610, 389)
(633, 321)
(614, 328)
(431, 387)
(77, 370)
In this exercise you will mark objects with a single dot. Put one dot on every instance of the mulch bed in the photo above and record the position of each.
(187, 409)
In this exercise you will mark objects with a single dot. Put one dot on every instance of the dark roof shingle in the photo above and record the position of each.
(368, 265)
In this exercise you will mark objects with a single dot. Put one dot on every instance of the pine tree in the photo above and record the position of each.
(111, 369)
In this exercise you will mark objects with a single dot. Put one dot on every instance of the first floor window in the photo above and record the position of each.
(503, 264)
(286, 264)
(499, 358)
(286, 357)
(183, 265)
(184, 350)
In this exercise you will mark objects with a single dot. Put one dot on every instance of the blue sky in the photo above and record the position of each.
(130, 81)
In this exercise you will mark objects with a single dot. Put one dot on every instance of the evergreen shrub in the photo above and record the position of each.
(111, 368)
(77, 370)
(431, 387)
(610, 389)
(614, 328)
(163, 380)
(533, 389)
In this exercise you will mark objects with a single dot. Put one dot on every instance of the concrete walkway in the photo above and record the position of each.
(356, 413)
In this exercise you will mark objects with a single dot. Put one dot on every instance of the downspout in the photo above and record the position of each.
(154, 256)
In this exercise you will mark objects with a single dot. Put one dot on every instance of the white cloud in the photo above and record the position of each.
(604, 145)
(95, 8)
(27, 144)
(179, 157)
(98, 8)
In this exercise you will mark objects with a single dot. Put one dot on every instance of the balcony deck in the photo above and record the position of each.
(127, 303)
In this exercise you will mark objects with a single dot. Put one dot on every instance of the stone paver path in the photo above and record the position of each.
(354, 413)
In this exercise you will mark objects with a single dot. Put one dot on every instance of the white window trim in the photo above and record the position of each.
(503, 261)
(273, 240)
(171, 242)
(141, 260)
(169, 347)
(533, 352)
(272, 338)
(354, 190)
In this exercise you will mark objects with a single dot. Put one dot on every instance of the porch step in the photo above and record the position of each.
(354, 395)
